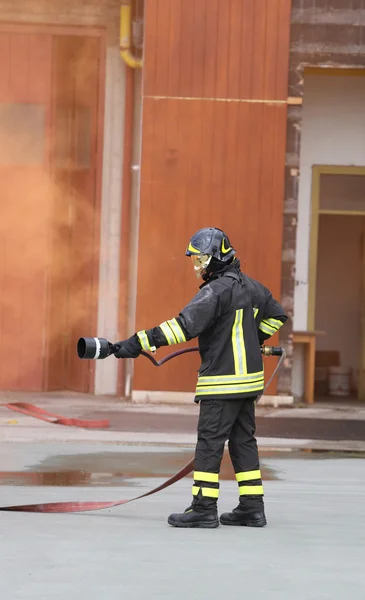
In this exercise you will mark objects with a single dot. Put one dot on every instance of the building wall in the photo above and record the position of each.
(328, 33)
(90, 13)
(333, 133)
(101, 14)
(214, 126)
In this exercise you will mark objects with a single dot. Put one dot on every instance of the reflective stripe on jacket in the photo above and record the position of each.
(232, 315)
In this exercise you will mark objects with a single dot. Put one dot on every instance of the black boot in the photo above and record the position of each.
(195, 518)
(245, 515)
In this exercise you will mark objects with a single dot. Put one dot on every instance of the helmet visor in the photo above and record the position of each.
(200, 263)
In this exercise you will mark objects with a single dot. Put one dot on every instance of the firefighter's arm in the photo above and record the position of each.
(197, 316)
(273, 318)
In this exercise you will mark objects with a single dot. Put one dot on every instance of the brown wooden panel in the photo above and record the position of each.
(24, 111)
(49, 226)
(39, 58)
(206, 160)
(215, 49)
(199, 170)
(4, 66)
(75, 211)
(22, 276)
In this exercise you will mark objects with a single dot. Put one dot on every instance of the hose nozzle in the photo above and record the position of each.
(272, 350)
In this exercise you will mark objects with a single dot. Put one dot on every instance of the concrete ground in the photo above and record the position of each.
(320, 426)
(312, 549)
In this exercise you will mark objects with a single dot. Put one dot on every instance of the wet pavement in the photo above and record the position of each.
(114, 467)
(312, 549)
(280, 427)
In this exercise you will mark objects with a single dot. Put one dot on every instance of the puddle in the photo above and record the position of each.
(63, 478)
(122, 468)
(110, 469)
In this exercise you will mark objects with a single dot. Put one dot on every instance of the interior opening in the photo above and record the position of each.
(340, 295)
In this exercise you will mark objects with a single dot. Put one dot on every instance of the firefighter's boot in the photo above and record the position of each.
(245, 514)
(193, 517)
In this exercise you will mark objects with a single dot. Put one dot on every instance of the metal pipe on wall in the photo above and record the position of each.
(125, 38)
(123, 366)
(130, 200)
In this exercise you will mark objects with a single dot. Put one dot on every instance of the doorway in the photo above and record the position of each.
(337, 280)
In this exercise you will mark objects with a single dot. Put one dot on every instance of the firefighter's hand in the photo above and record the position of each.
(130, 348)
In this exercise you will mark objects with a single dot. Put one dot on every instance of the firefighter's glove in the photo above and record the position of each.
(130, 348)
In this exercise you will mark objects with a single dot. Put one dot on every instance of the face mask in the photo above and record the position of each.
(200, 263)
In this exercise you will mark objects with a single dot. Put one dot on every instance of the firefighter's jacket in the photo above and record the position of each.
(232, 315)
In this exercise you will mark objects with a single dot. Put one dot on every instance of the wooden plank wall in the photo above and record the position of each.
(74, 244)
(213, 153)
(25, 75)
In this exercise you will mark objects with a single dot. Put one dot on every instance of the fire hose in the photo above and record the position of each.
(73, 507)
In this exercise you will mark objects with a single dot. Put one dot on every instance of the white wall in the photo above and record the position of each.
(338, 290)
(333, 133)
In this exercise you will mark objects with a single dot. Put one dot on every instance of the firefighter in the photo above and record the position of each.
(232, 315)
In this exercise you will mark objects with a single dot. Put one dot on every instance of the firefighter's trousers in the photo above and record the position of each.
(219, 421)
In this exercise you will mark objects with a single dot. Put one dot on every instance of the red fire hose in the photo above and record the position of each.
(31, 410)
(72, 507)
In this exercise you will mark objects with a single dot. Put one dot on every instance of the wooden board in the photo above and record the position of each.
(213, 153)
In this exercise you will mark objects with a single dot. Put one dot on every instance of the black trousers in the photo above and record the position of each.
(219, 421)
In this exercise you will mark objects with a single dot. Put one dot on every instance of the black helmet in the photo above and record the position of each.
(213, 242)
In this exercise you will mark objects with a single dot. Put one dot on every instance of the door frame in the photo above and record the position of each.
(317, 171)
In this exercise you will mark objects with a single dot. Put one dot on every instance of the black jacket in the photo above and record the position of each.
(232, 315)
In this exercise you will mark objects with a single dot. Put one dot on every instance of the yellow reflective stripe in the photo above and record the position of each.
(236, 356)
(192, 249)
(248, 475)
(178, 332)
(266, 328)
(210, 390)
(208, 477)
(268, 324)
(251, 490)
(168, 334)
(271, 324)
(224, 249)
(224, 384)
(207, 492)
(274, 322)
(255, 311)
(251, 378)
(242, 348)
(210, 492)
(142, 336)
(238, 344)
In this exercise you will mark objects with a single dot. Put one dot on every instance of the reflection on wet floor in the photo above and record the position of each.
(121, 468)
(110, 469)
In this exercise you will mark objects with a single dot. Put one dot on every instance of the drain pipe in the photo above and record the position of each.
(130, 208)
(124, 368)
(125, 38)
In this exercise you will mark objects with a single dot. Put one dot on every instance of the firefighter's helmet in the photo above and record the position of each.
(207, 244)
